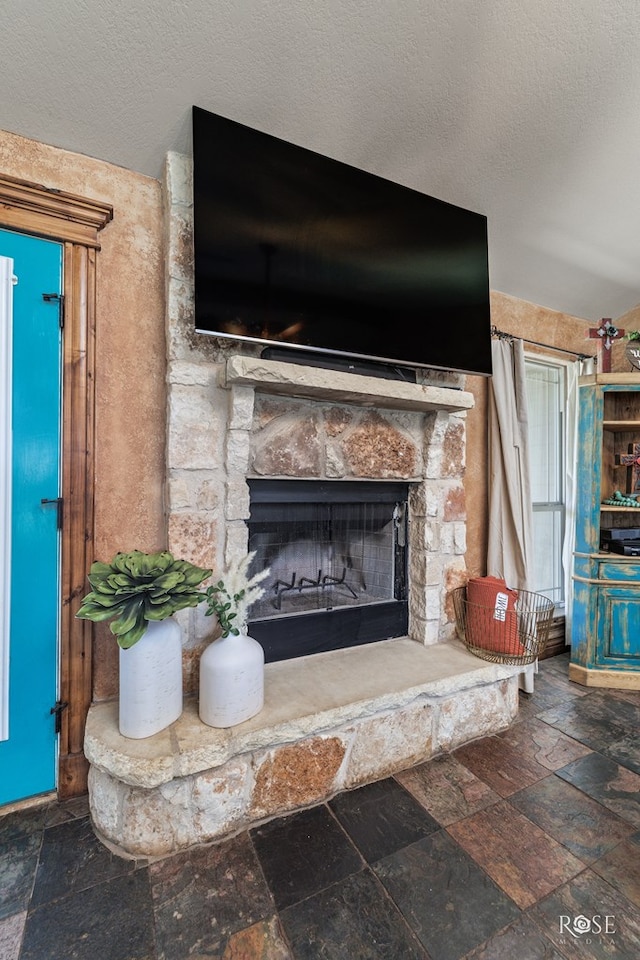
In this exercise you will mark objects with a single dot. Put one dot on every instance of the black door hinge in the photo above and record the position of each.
(58, 502)
(60, 298)
(57, 709)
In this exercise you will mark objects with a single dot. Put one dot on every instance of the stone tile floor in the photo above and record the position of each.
(514, 846)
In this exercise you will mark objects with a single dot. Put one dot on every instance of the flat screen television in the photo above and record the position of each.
(298, 251)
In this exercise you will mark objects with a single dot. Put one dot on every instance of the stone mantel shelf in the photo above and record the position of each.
(303, 697)
(316, 383)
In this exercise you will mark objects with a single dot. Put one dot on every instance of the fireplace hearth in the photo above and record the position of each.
(337, 555)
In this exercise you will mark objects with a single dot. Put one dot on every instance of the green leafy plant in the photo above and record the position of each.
(632, 335)
(229, 600)
(137, 587)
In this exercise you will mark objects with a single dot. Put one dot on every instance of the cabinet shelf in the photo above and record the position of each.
(615, 558)
(609, 508)
(621, 426)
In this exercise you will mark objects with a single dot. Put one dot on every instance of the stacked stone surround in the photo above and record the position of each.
(232, 416)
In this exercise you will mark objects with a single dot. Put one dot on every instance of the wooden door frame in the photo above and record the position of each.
(74, 222)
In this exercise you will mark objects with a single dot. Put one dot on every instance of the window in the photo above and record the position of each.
(546, 413)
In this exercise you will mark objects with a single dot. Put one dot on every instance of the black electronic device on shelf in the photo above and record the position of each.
(628, 548)
(615, 539)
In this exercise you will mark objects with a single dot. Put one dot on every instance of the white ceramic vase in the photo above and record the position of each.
(231, 681)
(151, 680)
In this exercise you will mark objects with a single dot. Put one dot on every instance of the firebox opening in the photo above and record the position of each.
(337, 555)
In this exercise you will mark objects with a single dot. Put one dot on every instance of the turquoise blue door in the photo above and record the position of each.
(29, 533)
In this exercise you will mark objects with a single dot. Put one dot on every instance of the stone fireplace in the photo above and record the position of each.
(375, 469)
(236, 421)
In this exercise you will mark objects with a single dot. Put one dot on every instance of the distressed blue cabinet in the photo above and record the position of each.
(605, 629)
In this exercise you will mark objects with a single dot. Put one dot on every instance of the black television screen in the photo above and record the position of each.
(303, 252)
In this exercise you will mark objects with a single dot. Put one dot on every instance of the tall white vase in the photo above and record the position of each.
(151, 681)
(231, 681)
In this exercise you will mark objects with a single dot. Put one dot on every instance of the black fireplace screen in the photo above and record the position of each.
(337, 554)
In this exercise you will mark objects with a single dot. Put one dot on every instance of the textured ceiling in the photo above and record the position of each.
(525, 110)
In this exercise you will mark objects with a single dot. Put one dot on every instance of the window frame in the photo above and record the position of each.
(554, 506)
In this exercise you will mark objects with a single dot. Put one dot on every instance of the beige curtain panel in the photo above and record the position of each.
(510, 540)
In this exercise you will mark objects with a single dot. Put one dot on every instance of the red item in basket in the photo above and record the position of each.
(492, 621)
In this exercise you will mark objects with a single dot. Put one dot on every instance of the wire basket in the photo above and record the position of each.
(518, 635)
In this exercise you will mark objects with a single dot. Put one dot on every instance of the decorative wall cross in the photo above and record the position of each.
(631, 460)
(606, 333)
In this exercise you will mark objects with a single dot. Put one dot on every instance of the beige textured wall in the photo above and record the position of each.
(531, 322)
(130, 405)
(630, 320)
